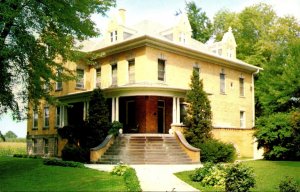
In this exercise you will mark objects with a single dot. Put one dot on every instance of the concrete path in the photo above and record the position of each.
(157, 177)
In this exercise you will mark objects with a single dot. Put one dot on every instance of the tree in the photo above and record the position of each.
(200, 23)
(199, 115)
(10, 135)
(36, 38)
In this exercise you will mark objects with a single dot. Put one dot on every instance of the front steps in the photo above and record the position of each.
(145, 149)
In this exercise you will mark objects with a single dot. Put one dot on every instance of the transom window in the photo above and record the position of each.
(80, 78)
(161, 70)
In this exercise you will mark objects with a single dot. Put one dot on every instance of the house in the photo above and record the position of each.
(144, 70)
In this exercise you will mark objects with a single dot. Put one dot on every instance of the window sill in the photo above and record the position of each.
(242, 96)
(34, 129)
(222, 93)
(45, 128)
(56, 90)
(80, 88)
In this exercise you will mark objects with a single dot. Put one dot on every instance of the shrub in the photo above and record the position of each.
(210, 175)
(120, 169)
(288, 184)
(75, 153)
(216, 151)
(114, 128)
(56, 162)
(27, 156)
(131, 180)
(239, 178)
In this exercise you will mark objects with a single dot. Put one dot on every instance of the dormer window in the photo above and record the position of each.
(182, 38)
(113, 36)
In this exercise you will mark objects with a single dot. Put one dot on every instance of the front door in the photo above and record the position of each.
(161, 116)
(131, 117)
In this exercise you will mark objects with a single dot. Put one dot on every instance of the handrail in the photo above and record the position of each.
(185, 143)
(103, 144)
(97, 152)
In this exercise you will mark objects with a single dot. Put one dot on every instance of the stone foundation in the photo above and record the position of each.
(45, 145)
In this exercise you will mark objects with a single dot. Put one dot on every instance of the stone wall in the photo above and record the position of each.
(40, 147)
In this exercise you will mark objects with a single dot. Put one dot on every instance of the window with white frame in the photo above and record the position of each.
(57, 120)
(242, 88)
(80, 78)
(58, 85)
(114, 74)
(222, 82)
(46, 116)
(182, 37)
(113, 36)
(131, 71)
(98, 77)
(242, 119)
(35, 119)
(161, 70)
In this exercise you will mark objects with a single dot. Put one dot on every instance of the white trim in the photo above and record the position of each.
(117, 109)
(174, 111)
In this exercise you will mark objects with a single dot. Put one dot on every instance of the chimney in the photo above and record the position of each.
(122, 15)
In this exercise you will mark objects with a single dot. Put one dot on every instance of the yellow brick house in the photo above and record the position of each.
(144, 71)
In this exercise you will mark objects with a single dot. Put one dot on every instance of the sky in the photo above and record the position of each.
(162, 11)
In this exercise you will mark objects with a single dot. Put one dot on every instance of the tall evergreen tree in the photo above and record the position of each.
(199, 115)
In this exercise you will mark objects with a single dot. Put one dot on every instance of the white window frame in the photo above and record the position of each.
(131, 71)
(161, 78)
(46, 117)
(113, 36)
(35, 119)
(242, 86)
(80, 80)
(242, 119)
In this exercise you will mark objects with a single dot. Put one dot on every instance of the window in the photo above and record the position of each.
(161, 70)
(58, 85)
(35, 119)
(182, 38)
(34, 143)
(242, 119)
(131, 71)
(46, 146)
(114, 74)
(46, 116)
(57, 123)
(242, 90)
(222, 82)
(80, 78)
(98, 77)
(113, 36)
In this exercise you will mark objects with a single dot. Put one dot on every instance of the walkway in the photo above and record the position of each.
(157, 177)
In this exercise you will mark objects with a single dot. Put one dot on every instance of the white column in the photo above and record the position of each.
(174, 111)
(117, 109)
(178, 110)
(112, 109)
(84, 111)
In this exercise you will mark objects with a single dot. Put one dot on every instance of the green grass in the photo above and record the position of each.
(268, 175)
(10, 148)
(24, 174)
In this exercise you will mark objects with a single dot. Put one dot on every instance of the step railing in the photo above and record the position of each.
(97, 152)
(192, 152)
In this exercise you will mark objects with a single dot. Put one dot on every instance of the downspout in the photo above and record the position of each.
(253, 98)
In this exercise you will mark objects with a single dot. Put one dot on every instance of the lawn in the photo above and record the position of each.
(10, 148)
(24, 174)
(268, 174)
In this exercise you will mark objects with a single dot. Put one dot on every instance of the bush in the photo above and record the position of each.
(239, 178)
(114, 128)
(210, 175)
(27, 156)
(56, 162)
(288, 184)
(216, 151)
(75, 153)
(131, 180)
(120, 169)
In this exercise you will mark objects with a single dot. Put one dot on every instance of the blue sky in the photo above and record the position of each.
(162, 11)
